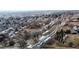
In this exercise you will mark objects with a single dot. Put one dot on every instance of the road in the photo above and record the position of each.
(55, 26)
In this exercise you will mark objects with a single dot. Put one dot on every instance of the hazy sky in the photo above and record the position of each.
(25, 5)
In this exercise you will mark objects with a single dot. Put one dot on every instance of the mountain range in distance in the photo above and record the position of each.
(32, 13)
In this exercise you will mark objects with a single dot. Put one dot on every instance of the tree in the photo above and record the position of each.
(11, 43)
(2, 37)
(59, 36)
(67, 31)
(70, 44)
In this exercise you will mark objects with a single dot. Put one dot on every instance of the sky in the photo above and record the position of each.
(29, 5)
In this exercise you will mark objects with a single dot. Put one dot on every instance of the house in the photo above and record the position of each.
(75, 29)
